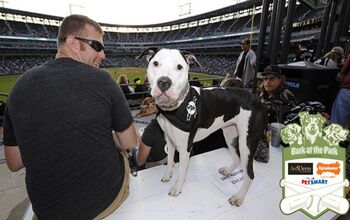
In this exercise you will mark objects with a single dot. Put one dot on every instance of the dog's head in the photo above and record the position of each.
(312, 124)
(335, 133)
(168, 75)
(291, 134)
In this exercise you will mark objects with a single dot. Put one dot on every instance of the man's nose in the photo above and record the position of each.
(102, 55)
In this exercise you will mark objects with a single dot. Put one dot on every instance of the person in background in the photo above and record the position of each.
(340, 112)
(62, 122)
(124, 84)
(139, 86)
(246, 63)
(195, 82)
(332, 59)
(303, 54)
(277, 99)
(152, 146)
(231, 82)
(275, 95)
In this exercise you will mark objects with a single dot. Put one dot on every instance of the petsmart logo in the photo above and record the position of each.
(314, 151)
(313, 181)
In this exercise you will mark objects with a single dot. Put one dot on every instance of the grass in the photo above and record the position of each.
(7, 82)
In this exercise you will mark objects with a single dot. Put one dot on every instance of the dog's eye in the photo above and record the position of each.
(179, 67)
(155, 63)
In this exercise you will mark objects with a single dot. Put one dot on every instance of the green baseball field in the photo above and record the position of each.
(7, 82)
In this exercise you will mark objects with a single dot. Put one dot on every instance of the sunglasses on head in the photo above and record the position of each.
(94, 44)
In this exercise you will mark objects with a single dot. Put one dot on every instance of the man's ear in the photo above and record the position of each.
(72, 44)
(148, 53)
(191, 59)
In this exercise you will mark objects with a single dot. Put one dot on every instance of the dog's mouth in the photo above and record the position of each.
(166, 105)
(167, 100)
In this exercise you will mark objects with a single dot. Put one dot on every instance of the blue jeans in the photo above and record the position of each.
(341, 108)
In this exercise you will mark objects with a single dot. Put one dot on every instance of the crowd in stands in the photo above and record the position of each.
(218, 64)
(41, 37)
(215, 64)
(20, 64)
(211, 64)
(235, 24)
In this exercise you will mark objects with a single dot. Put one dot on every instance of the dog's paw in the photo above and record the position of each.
(174, 191)
(166, 178)
(225, 171)
(236, 200)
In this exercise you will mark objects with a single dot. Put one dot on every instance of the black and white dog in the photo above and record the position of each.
(189, 114)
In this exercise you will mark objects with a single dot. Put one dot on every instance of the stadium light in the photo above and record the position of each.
(3, 2)
(74, 8)
(185, 10)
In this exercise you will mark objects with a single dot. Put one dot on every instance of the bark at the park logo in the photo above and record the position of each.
(313, 175)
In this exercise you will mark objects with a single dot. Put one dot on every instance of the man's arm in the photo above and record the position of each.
(13, 158)
(126, 139)
(143, 153)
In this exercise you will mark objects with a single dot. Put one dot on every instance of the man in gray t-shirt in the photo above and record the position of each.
(58, 125)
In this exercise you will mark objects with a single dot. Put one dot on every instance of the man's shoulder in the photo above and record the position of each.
(251, 53)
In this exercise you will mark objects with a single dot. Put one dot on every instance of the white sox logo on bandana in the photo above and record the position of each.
(191, 109)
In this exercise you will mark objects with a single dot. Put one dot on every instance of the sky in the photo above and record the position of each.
(120, 11)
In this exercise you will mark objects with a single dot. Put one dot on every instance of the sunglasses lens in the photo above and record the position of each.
(96, 46)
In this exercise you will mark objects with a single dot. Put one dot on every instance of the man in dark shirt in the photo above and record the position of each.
(61, 123)
(303, 53)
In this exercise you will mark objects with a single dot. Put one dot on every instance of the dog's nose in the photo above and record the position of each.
(164, 83)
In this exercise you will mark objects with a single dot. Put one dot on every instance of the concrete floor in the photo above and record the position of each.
(13, 195)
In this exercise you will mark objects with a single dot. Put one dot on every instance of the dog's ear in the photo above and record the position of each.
(191, 59)
(148, 53)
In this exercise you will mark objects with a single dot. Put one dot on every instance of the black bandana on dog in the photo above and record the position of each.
(186, 117)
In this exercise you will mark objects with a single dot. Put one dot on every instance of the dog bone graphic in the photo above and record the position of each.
(328, 167)
(335, 203)
(310, 198)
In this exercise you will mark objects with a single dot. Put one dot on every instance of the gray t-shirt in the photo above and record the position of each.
(61, 116)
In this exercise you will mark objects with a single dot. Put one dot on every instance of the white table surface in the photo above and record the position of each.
(204, 194)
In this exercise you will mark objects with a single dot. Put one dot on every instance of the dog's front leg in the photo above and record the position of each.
(170, 164)
(183, 164)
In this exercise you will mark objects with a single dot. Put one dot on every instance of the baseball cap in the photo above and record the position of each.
(338, 50)
(272, 69)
